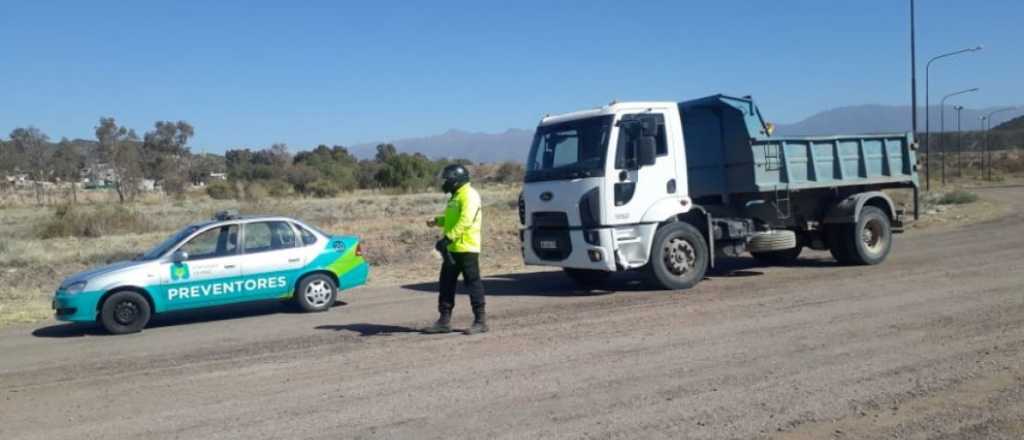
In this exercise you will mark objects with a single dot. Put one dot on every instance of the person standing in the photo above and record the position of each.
(460, 248)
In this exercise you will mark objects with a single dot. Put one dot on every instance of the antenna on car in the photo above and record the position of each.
(230, 214)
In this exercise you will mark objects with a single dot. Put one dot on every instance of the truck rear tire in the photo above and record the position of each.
(588, 278)
(679, 257)
(866, 242)
(778, 258)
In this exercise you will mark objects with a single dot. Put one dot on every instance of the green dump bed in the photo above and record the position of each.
(729, 150)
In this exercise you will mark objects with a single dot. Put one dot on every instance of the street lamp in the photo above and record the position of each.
(988, 151)
(942, 120)
(927, 103)
(959, 143)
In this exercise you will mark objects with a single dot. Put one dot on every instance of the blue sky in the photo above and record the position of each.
(251, 73)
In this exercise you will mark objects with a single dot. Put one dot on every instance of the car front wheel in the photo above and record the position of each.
(124, 312)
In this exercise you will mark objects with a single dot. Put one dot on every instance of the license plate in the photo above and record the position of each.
(548, 244)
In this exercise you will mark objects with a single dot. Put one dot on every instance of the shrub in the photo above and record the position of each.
(278, 188)
(221, 190)
(322, 188)
(957, 197)
(255, 191)
(79, 221)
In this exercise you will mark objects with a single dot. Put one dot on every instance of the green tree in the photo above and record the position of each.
(119, 147)
(32, 145)
(68, 163)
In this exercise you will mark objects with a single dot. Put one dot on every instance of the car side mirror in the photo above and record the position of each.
(646, 151)
(179, 256)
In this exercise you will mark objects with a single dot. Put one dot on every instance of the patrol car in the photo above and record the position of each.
(229, 259)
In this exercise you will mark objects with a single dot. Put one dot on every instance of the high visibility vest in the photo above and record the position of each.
(462, 220)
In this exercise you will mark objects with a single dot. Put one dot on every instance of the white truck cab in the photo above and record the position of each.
(589, 200)
(666, 186)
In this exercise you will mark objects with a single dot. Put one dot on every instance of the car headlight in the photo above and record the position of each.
(76, 287)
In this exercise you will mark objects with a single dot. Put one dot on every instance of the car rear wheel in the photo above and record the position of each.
(124, 312)
(316, 293)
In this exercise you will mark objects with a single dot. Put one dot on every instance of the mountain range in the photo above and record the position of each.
(512, 144)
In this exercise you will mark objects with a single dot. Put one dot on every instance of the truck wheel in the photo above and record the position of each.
(679, 256)
(588, 278)
(316, 293)
(778, 258)
(124, 312)
(866, 242)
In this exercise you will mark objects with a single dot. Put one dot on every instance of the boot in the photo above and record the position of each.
(443, 323)
(479, 321)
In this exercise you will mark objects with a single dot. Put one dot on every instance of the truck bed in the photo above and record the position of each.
(729, 150)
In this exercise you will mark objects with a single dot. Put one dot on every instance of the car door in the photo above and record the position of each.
(273, 258)
(209, 273)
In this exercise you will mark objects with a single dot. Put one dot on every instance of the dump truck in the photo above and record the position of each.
(668, 187)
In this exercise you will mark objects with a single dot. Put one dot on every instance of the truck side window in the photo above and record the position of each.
(624, 152)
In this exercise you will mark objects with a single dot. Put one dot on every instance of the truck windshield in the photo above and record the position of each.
(569, 150)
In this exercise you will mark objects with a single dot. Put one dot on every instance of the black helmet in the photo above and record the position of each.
(453, 177)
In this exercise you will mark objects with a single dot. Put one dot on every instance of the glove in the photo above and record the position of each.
(442, 248)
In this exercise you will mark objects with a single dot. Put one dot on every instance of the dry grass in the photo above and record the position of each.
(396, 242)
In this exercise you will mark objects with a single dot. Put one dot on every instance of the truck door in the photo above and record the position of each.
(636, 187)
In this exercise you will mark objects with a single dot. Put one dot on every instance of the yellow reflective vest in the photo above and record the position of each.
(462, 219)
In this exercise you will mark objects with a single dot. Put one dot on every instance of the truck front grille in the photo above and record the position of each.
(550, 238)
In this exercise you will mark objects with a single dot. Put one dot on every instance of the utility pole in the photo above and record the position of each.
(959, 142)
(913, 94)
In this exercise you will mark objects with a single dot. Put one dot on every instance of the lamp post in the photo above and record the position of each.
(927, 103)
(959, 143)
(942, 120)
(988, 150)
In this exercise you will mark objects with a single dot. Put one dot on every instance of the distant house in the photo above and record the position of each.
(218, 176)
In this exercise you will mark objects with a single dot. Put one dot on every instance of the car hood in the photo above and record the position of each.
(103, 270)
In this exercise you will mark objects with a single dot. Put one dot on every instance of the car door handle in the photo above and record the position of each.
(293, 260)
(229, 266)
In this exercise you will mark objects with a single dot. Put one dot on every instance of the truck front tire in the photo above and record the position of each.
(123, 312)
(679, 257)
(866, 242)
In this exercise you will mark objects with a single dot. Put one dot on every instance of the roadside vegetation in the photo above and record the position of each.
(41, 246)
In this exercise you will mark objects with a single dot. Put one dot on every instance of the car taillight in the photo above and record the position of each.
(359, 249)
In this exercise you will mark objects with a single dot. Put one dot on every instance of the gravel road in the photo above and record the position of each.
(928, 345)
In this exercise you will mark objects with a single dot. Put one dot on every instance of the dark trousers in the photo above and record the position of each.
(467, 264)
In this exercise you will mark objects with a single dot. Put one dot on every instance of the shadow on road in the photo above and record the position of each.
(167, 319)
(365, 329)
(555, 283)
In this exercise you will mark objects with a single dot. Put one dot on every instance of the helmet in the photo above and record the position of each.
(453, 177)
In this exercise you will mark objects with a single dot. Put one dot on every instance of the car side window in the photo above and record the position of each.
(215, 242)
(308, 237)
(268, 236)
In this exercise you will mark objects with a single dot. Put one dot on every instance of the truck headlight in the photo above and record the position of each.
(74, 288)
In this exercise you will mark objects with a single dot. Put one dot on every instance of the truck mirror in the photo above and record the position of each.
(646, 151)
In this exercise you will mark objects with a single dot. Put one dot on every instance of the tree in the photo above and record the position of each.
(166, 157)
(385, 152)
(31, 145)
(68, 163)
(119, 146)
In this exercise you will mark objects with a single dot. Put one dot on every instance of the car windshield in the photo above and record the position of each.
(569, 150)
(169, 243)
